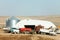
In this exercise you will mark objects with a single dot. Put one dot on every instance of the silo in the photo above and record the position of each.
(11, 22)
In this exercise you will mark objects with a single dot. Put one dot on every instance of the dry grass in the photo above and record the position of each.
(23, 37)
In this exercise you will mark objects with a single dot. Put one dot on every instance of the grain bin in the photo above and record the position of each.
(11, 22)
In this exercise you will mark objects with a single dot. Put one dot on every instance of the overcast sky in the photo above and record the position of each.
(29, 7)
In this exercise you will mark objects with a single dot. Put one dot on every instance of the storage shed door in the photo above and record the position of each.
(30, 26)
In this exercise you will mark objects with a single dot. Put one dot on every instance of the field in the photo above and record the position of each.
(9, 36)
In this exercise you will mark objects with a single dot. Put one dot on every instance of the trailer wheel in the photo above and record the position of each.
(33, 32)
(43, 33)
(12, 32)
(26, 32)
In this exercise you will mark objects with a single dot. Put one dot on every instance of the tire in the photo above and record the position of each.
(26, 32)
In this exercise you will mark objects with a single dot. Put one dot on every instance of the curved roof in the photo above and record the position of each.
(46, 24)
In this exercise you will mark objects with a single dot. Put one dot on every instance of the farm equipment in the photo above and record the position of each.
(25, 30)
(21, 30)
(29, 29)
(14, 31)
(32, 29)
(45, 31)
